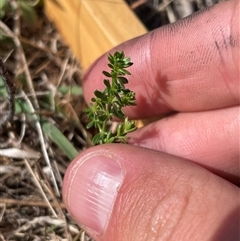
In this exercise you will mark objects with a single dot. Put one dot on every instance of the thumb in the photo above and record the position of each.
(127, 193)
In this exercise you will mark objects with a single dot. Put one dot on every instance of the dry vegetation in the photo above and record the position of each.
(48, 126)
(48, 105)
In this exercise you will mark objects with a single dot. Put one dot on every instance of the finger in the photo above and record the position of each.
(190, 65)
(122, 192)
(210, 139)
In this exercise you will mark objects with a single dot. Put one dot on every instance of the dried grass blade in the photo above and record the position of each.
(19, 154)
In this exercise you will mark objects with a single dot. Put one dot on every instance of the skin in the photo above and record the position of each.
(181, 172)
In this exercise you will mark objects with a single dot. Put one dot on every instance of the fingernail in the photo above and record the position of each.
(93, 188)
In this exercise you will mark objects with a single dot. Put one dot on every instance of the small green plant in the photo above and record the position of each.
(109, 103)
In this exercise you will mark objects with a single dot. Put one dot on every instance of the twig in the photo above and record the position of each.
(37, 220)
(19, 154)
(137, 4)
(164, 4)
(62, 72)
(35, 45)
(46, 219)
(40, 187)
(54, 87)
(34, 203)
(2, 211)
(23, 130)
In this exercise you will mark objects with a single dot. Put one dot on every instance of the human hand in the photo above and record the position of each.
(178, 181)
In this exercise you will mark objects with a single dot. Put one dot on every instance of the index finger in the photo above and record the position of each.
(191, 65)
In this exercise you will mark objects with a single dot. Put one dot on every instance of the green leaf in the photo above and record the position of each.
(110, 59)
(118, 112)
(103, 117)
(100, 95)
(107, 83)
(2, 14)
(128, 64)
(119, 100)
(106, 73)
(110, 140)
(125, 72)
(123, 80)
(120, 129)
(73, 90)
(126, 60)
(93, 99)
(28, 13)
(119, 55)
(35, 3)
(90, 124)
(2, 4)
(59, 139)
(3, 10)
(96, 139)
(110, 66)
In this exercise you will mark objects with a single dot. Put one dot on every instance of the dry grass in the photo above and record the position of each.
(156, 13)
(46, 79)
